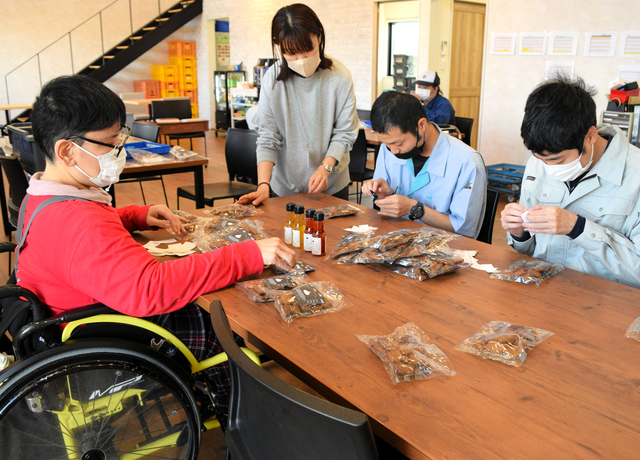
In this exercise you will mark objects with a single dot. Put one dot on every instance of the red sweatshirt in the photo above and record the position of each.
(78, 253)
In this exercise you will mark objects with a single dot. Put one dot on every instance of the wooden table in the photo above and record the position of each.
(576, 396)
(195, 164)
(8, 107)
(182, 127)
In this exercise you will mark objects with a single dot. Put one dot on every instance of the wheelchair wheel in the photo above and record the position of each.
(97, 400)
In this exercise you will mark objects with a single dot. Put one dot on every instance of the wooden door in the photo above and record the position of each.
(467, 40)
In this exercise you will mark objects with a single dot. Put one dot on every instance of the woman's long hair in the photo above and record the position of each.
(292, 30)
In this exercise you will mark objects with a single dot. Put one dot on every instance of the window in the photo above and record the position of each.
(403, 39)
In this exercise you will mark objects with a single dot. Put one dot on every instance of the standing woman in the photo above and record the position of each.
(306, 118)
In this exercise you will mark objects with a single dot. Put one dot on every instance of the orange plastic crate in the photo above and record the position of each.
(191, 93)
(170, 93)
(182, 48)
(165, 85)
(188, 84)
(150, 88)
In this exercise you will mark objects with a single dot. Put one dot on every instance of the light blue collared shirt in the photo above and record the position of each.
(609, 246)
(452, 182)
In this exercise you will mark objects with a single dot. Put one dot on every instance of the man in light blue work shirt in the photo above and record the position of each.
(581, 188)
(423, 174)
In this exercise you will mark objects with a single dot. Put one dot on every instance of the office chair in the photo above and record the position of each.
(129, 120)
(240, 155)
(177, 108)
(139, 111)
(270, 419)
(358, 171)
(148, 132)
(486, 230)
(465, 125)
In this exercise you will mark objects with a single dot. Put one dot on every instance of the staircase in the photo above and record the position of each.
(134, 46)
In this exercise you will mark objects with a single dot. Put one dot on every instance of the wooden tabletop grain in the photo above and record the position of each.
(576, 396)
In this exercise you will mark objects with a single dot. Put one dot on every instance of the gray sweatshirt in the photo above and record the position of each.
(280, 118)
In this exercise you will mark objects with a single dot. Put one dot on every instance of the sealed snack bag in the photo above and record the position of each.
(234, 211)
(407, 354)
(310, 299)
(528, 271)
(262, 290)
(634, 330)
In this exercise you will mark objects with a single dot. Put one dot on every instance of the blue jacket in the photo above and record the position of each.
(440, 111)
(609, 246)
(452, 182)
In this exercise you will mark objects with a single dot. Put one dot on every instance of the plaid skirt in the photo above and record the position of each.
(192, 325)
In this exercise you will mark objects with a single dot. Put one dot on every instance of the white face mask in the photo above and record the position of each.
(570, 171)
(424, 94)
(305, 66)
(110, 167)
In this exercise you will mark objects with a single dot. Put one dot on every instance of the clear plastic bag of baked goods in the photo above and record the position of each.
(192, 221)
(434, 264)
(634, 330)
(375, 256)
(415, 273)
(247, 230)
(311, 299)
(221, 225)
(407, 354)
(528, 271)
(234, 211)
(428, 245)
(504, 342)
(144, 157)
(351, 242)
(395, 238)
(180, 153)
(262, 290)
(282, 268)
(339, 210)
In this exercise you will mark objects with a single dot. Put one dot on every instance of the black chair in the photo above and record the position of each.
(181, 109)
(18, 185)
(240, 155)
(464, 126)
(358, 171)
(486, 230)
(148, 132)
(270, 419)
(364, 114)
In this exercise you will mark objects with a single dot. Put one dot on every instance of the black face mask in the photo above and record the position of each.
(414, 152)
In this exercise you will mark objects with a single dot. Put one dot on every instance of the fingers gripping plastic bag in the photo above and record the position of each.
(528, 271)
(504, 342)
(263, 290)
(310, 299)
(208, 240)
(634, 330)
(407, 354)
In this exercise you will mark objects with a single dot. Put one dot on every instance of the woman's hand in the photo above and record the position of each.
(257, 197)
(275, 252)
(319, 181)
(159, 215)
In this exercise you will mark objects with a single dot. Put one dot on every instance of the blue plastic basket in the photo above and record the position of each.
(148, 146)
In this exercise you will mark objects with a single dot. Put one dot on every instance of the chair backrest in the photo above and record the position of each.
(364, 114)
(146, 131)
(130, 96)
(486, 231)
(129, 120)
(179, 98)
(240, 154)
(464, 126)
(180, 108)
(358, 154)
(270, 419)
(17, 185)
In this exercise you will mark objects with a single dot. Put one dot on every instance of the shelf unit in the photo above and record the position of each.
(241, 93)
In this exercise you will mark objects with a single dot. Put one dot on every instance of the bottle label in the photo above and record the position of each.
(307, 242)
(316, 246)
(287, 235)
(296, 239)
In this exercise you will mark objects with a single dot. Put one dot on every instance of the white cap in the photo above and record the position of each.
(428, 78)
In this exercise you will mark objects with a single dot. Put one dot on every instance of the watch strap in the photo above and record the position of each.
(328, 167)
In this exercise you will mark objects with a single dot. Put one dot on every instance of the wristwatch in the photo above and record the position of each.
(328, 167)
(416, 212)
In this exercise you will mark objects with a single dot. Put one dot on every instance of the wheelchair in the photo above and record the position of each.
(91, 384)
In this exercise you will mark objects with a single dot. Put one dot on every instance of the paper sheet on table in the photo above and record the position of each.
(469, 258)
(179, 249)
(361, 229)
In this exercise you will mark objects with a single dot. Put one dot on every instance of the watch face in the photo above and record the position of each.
(417, 211)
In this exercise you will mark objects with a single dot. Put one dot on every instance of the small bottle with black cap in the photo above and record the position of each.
(318, 243)
(288, 226)
(298, 229)
(310, 228)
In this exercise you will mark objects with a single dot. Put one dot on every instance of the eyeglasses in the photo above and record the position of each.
(124, 136)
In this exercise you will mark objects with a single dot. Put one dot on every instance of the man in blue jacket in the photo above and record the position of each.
(439, 109)
(422, 173)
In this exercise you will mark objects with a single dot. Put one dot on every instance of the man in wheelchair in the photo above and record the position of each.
(75, 249)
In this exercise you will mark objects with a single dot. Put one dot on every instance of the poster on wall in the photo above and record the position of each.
(629, 44)
(503, 43)
(532, 43)
(563, 43)
(555, 69)
(629, 72)
(600, 44)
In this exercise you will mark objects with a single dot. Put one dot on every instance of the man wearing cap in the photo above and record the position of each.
(439, 109)
(422, 173)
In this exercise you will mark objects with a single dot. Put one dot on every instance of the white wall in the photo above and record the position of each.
(508, 80)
